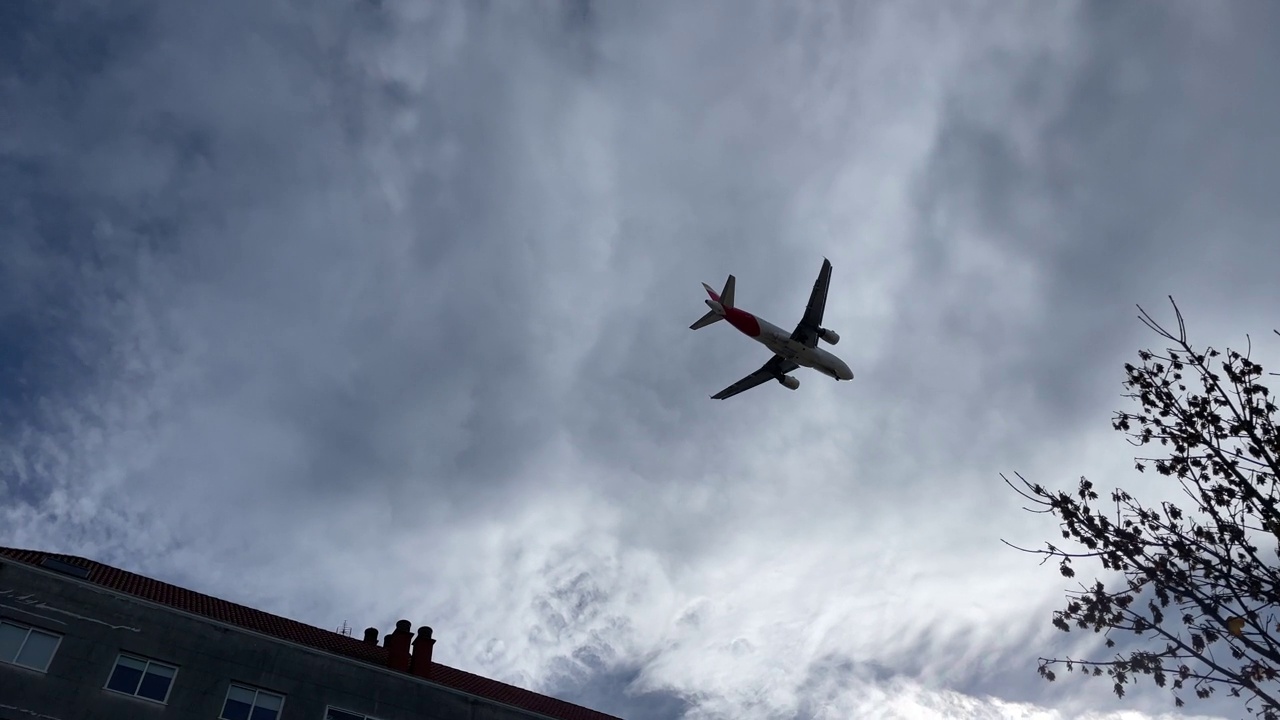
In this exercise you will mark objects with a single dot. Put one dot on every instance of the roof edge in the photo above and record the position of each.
(97, 587)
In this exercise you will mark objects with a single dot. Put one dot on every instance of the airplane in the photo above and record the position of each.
(791, 350)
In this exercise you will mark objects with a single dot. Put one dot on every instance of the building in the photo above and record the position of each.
(80, 640)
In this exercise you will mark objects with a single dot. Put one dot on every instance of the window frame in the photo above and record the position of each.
(256, 690)
(57, 645)
(353, 713)
(149, 662)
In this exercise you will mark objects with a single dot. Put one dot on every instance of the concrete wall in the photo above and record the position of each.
(97, 624)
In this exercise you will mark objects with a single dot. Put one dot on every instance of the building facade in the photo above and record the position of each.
(80, 640)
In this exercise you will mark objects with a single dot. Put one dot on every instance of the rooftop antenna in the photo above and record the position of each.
(345, 629)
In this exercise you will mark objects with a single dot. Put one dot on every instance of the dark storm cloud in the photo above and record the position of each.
(269, 253)
(56, 283)
(1147, 177)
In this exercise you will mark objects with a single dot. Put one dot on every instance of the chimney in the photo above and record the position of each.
(371, 636)
(421, 665)
(397, 645)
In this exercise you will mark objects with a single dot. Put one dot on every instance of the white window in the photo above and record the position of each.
(142, 678)
(333, 713)
(247, 703)
(27, 646)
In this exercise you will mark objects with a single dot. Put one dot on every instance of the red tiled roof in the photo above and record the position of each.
(303, 634)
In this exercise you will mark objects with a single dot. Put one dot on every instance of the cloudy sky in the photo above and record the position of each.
(359, 310)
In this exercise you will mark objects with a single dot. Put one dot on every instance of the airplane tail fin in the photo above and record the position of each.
(726, 295)
(718, 303)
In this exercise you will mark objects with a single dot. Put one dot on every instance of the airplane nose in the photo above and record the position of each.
(845, 372)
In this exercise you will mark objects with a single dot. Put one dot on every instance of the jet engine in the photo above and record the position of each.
(829, 336)
(789, 381)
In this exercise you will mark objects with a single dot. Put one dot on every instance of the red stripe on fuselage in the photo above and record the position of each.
(744, 321)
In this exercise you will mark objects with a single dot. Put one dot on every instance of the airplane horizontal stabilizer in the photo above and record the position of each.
(706, 320)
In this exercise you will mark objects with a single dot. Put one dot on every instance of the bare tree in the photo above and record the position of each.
(1191, 588)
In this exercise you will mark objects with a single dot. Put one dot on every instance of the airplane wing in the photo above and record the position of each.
(807, 331)
(771, 370)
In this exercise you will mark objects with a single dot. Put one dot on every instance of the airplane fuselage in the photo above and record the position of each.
(779, 341)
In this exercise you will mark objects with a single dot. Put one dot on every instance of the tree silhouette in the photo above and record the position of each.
(1190, 586)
